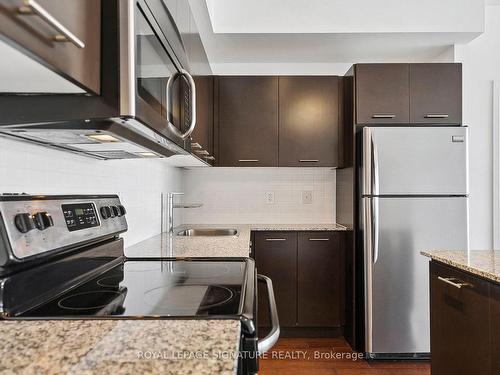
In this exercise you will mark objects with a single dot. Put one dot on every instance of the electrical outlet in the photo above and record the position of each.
(269, 197)
(307, 197)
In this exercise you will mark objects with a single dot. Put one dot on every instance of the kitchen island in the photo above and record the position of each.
(119, 347)
(465, 312)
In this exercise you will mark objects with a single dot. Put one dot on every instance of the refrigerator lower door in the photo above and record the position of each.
(396, 230)
(415, 161)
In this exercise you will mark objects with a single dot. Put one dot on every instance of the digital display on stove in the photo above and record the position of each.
(80, 216)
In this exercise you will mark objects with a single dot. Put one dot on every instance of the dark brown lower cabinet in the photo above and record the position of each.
(307, 273)
(319, 280)
(460, 322)
(495, 329)
(276, 257)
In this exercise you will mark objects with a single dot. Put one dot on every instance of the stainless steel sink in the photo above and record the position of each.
(208, 232)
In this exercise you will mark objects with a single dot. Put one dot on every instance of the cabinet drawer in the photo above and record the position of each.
(460, 329)
(39, 38)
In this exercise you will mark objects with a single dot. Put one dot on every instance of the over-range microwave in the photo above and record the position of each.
(153, 94)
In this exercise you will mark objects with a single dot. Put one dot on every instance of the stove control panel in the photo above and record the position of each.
(34, 225)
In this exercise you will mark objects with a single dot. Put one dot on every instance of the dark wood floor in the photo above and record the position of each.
(311, 348)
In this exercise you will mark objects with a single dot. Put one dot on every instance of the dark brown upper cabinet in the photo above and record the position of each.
(436, 94)
(64, 36)
(319, 279)
(308, 121)
(382, 93)
(202, 143)
(248, 121)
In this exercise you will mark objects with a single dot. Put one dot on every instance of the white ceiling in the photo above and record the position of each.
(310, 40)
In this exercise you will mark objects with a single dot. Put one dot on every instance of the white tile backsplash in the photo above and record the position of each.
(139, 183)
(237, 195)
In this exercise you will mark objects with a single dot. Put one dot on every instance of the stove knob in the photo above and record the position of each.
(121, 210)
(115, 211)
(105, 212)
(24, 222)
(43, 220)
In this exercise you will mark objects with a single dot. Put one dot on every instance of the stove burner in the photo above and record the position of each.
(110, 281)
(189, 298)
(89, 300)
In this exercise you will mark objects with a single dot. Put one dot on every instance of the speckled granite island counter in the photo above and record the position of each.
(164, 245)
(119, 347)
(483, 263)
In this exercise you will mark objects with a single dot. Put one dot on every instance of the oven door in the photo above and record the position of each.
(156, 88)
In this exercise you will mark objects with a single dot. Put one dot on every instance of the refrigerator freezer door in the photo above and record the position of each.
(396, 275)
(415, 161)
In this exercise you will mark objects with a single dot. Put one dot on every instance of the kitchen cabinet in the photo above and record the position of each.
(436, 94)
(382, 93)
(308, 278)
(308, 121)
(460, 322)
(202, 136)
(72, 49)
(248, 121)
(495, 329)
(319, 279)
(276, 257)
(408, 94)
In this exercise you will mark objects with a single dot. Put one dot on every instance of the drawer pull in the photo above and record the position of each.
(248, 160)
(32, 7)
(309, 160)
(319, 239)
(209, 157)
(386, 115)
(454, 282)
(275, 239)
(442, 115)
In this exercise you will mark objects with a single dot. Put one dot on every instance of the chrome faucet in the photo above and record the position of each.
(171, 207)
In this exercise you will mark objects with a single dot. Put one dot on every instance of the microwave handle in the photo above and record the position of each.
(192, 100)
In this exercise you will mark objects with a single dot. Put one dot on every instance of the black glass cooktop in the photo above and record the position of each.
(154, 288)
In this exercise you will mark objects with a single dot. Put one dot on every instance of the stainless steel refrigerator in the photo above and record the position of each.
(414, 197)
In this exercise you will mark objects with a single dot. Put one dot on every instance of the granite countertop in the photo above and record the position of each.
(164, 245)
(484, 263)
(119, 347)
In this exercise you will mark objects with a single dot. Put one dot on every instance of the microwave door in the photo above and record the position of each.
(415, 161)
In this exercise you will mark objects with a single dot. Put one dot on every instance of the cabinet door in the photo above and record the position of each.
(276, 257)
(80, 64)
(248, 121)
(202, 136)
(495, 329)
(308, 121)
(460, 329)
(436, 93)
(319, 279)
(382, 93)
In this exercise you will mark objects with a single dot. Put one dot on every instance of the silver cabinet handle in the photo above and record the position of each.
(275, 239)
(308, 160)
(196, 146)
(319, 239)
(453, 282)
(248, 160)
(31, 6)
(209, 157)
(202, 152)
(263, 345)
(386, 115)
(192, 99)
(443, 115)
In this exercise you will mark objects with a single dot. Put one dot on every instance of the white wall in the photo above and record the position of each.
(139, 183)
(481, 65)
(237, 195)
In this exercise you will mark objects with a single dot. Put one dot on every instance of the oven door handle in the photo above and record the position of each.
(263, 345)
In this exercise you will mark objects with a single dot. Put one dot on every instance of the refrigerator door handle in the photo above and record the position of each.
(370, 163)
(375, 177)
(375, 228)
(368, 268)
